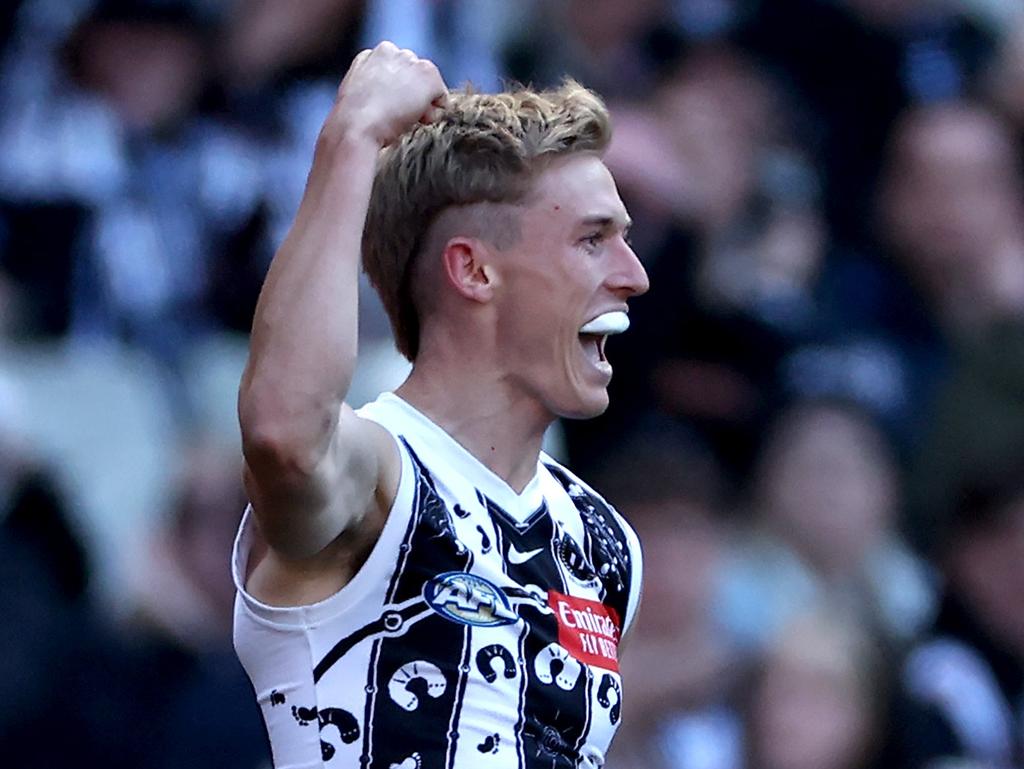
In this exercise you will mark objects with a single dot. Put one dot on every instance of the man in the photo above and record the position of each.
(418, 585)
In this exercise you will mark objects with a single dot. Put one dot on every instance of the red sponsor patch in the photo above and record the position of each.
(589, 630)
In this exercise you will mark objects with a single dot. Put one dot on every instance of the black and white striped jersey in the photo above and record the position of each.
(481, 633)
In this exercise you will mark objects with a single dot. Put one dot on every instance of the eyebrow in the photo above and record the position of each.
(606, 222)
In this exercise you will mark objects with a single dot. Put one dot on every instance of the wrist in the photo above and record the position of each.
(347, 139)
(344, 164)
(351, 129)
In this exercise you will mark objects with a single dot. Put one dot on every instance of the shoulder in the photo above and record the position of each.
(584, 494)
(574, 486)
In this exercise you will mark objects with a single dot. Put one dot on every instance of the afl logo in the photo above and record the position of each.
(468, 599)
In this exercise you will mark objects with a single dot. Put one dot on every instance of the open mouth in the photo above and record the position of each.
(594, 345)
(594, 333)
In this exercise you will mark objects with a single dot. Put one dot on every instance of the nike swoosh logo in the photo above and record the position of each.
(517, 558)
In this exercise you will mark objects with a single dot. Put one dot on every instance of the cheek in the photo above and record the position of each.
(538, 351)
(541, 316)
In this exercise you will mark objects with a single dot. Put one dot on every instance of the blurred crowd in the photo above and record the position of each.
(817, 420)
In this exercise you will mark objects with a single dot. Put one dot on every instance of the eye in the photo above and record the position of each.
(591, 242)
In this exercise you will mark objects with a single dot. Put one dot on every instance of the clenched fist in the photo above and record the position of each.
(385, 92)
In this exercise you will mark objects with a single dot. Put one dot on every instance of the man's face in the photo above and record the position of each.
(955, 194)
(570, 264)
(829, 487)
(150, 73)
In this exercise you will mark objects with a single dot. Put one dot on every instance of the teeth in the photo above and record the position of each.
(609, 323)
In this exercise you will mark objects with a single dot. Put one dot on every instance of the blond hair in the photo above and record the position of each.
(486, 148)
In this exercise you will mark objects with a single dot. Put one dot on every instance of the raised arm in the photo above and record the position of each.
(313, 468)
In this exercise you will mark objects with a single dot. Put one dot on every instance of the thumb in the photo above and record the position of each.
(436, 109)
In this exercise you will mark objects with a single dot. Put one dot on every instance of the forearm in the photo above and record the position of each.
(304, 337)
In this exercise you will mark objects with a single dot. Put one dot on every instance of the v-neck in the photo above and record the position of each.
(437, 441)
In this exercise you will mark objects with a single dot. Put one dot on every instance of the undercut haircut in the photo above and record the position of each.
(485, 148)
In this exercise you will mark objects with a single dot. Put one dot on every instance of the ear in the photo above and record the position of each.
(469, 269)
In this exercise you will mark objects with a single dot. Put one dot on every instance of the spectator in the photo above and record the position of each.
(949, 218)
(599, 42)
(55, 652)
(858, 64)
(679, 664)
(963, 687)
(818, 701)
(265, 43)
(185, 675)
(464, 38)
(183, 589)
(951, 206)
(278, 67)
(823, 506)
(152, 190)
(165, 693)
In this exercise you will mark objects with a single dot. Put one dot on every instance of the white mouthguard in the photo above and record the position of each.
(609, 323)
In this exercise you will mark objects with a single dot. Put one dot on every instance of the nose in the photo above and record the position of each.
(629, 278)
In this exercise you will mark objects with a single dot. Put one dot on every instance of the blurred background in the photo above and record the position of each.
(817, 421)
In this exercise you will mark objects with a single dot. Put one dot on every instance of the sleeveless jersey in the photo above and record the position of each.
(481, 632)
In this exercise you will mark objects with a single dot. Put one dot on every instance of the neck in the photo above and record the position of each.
(483, 412)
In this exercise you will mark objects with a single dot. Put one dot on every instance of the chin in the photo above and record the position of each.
(586, 406)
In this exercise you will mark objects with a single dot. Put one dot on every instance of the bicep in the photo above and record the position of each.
(301, 513)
